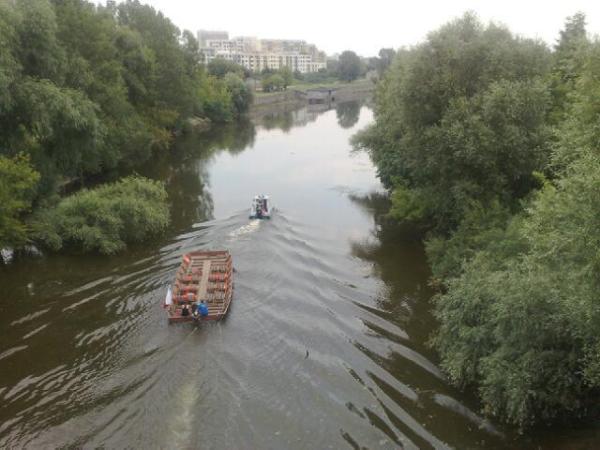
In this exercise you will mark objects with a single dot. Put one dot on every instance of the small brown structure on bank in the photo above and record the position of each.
(320, 95)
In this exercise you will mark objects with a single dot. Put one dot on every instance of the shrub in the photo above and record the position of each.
(241, 95)
(107, 218)
(17, 189)
(273, 83)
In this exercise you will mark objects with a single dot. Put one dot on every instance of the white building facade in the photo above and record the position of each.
(259, 54)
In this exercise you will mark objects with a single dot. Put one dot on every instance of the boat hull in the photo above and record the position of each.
(265, 217)
(261, 207)
(202, 276)
(182, 319)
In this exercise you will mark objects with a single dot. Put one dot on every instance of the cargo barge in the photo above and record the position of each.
(203, 283)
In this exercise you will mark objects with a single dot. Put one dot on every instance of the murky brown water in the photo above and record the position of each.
(325, 344)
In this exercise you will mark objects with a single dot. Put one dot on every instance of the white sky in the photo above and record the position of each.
(368, 25)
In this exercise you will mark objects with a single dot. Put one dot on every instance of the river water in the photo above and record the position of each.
(325, 345)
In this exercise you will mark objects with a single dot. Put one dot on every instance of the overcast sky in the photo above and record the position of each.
(368, 25)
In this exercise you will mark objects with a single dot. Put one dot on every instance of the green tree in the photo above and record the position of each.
(241, 95)
(171, 84)
(578, 133)
(286, 74)
(267, 71)
(475, 131)
(217, 102)
(518, 317)
(386, 56)
(39, 50)
(9, 64)
(58, 127)
(219, 67)
(105, 219)
(91, 90)
(520, 322)
(569, 56)
(91, 39)
(17, 189)
(272, 83)
(349, 66)
(572, 36)
(332, 66)
(191, 53)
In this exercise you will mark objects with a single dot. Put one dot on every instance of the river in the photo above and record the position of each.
(325, 345)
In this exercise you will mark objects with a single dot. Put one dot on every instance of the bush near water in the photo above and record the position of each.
(490, 145)
(17, 190)
(105, 219)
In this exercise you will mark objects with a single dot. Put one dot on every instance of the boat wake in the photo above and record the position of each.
(251, 227)
(181, 423)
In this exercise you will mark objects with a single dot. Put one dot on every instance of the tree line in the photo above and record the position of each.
(347, 67)
(89, 90)
(490, 146)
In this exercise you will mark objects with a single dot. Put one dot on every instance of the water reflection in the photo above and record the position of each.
(348, 113)
(185, 169)
(388, 244)
(403, 300)
(290, 118)
(286, 117)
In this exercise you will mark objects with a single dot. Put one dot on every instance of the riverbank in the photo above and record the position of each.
(296, 95)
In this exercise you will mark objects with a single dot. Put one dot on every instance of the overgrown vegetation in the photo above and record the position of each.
(86, 90)
(17, 190)
(490, 145)
(105, 219)
(349, 66)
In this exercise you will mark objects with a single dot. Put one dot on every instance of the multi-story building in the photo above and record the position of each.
(205, 35)
(258, 54)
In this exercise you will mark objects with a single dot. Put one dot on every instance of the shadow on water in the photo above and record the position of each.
(348, 113)
(185, 170)
(423, 407)
(287, 119)
(400, 262)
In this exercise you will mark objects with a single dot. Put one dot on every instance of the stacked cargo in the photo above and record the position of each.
(202, 277)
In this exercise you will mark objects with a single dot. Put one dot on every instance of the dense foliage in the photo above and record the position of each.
(87, 89)
(381, 62)
(461, 118)
(17, 189)
(219, 67)
(277, 80)
(349, 66)
(491, 142)
(272, 83)
(105, 219)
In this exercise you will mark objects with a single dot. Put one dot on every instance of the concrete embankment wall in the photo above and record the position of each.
(354, 91)
(350, 91)
(290, 96)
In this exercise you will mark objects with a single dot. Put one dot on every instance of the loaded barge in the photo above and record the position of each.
(204, 276)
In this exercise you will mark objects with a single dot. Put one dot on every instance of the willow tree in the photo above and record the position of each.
(520, 318)
(460, 118)
(17, 189)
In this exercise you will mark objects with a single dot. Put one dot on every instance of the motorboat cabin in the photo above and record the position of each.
(261, 207)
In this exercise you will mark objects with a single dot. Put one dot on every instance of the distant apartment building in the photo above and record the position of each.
(205, 35)
(258, 54)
